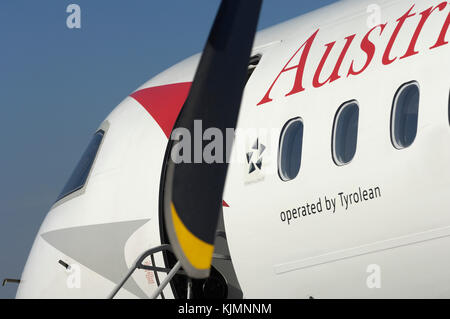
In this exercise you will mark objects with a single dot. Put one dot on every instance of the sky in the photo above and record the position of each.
(58, 84)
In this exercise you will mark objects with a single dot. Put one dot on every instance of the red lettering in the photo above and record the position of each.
(369, 48)
(386, 60)
(335, 75)
(298, 84)
(441, 41)
(425, 15)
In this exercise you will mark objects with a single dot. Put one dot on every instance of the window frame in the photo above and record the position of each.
(81, 190)
(333, 136)
(280, 147)
(394, 109)
(448, 107)
(253, 65)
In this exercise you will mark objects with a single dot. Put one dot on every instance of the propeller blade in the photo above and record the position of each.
(193, 191)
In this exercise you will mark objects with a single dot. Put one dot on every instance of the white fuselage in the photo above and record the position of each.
(400, 233)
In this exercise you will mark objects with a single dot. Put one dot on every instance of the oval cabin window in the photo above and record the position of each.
(345, 133)
(290, 150)
(404, 116)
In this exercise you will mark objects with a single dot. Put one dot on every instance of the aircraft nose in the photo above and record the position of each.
(89, 261)
(110, 216)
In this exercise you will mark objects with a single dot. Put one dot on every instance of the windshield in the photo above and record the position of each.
(81, 172)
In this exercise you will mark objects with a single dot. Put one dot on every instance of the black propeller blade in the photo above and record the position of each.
(193, 191)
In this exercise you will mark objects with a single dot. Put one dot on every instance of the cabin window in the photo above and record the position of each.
(81, 172)
(404, 116)
(345, 133)
(290, 149)
(449, 107)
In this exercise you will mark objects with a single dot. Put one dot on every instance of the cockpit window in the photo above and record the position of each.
(79, 176)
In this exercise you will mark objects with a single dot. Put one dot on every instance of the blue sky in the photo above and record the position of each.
(58, 84)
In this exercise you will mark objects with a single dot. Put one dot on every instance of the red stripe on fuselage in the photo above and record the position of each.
(164, 103)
